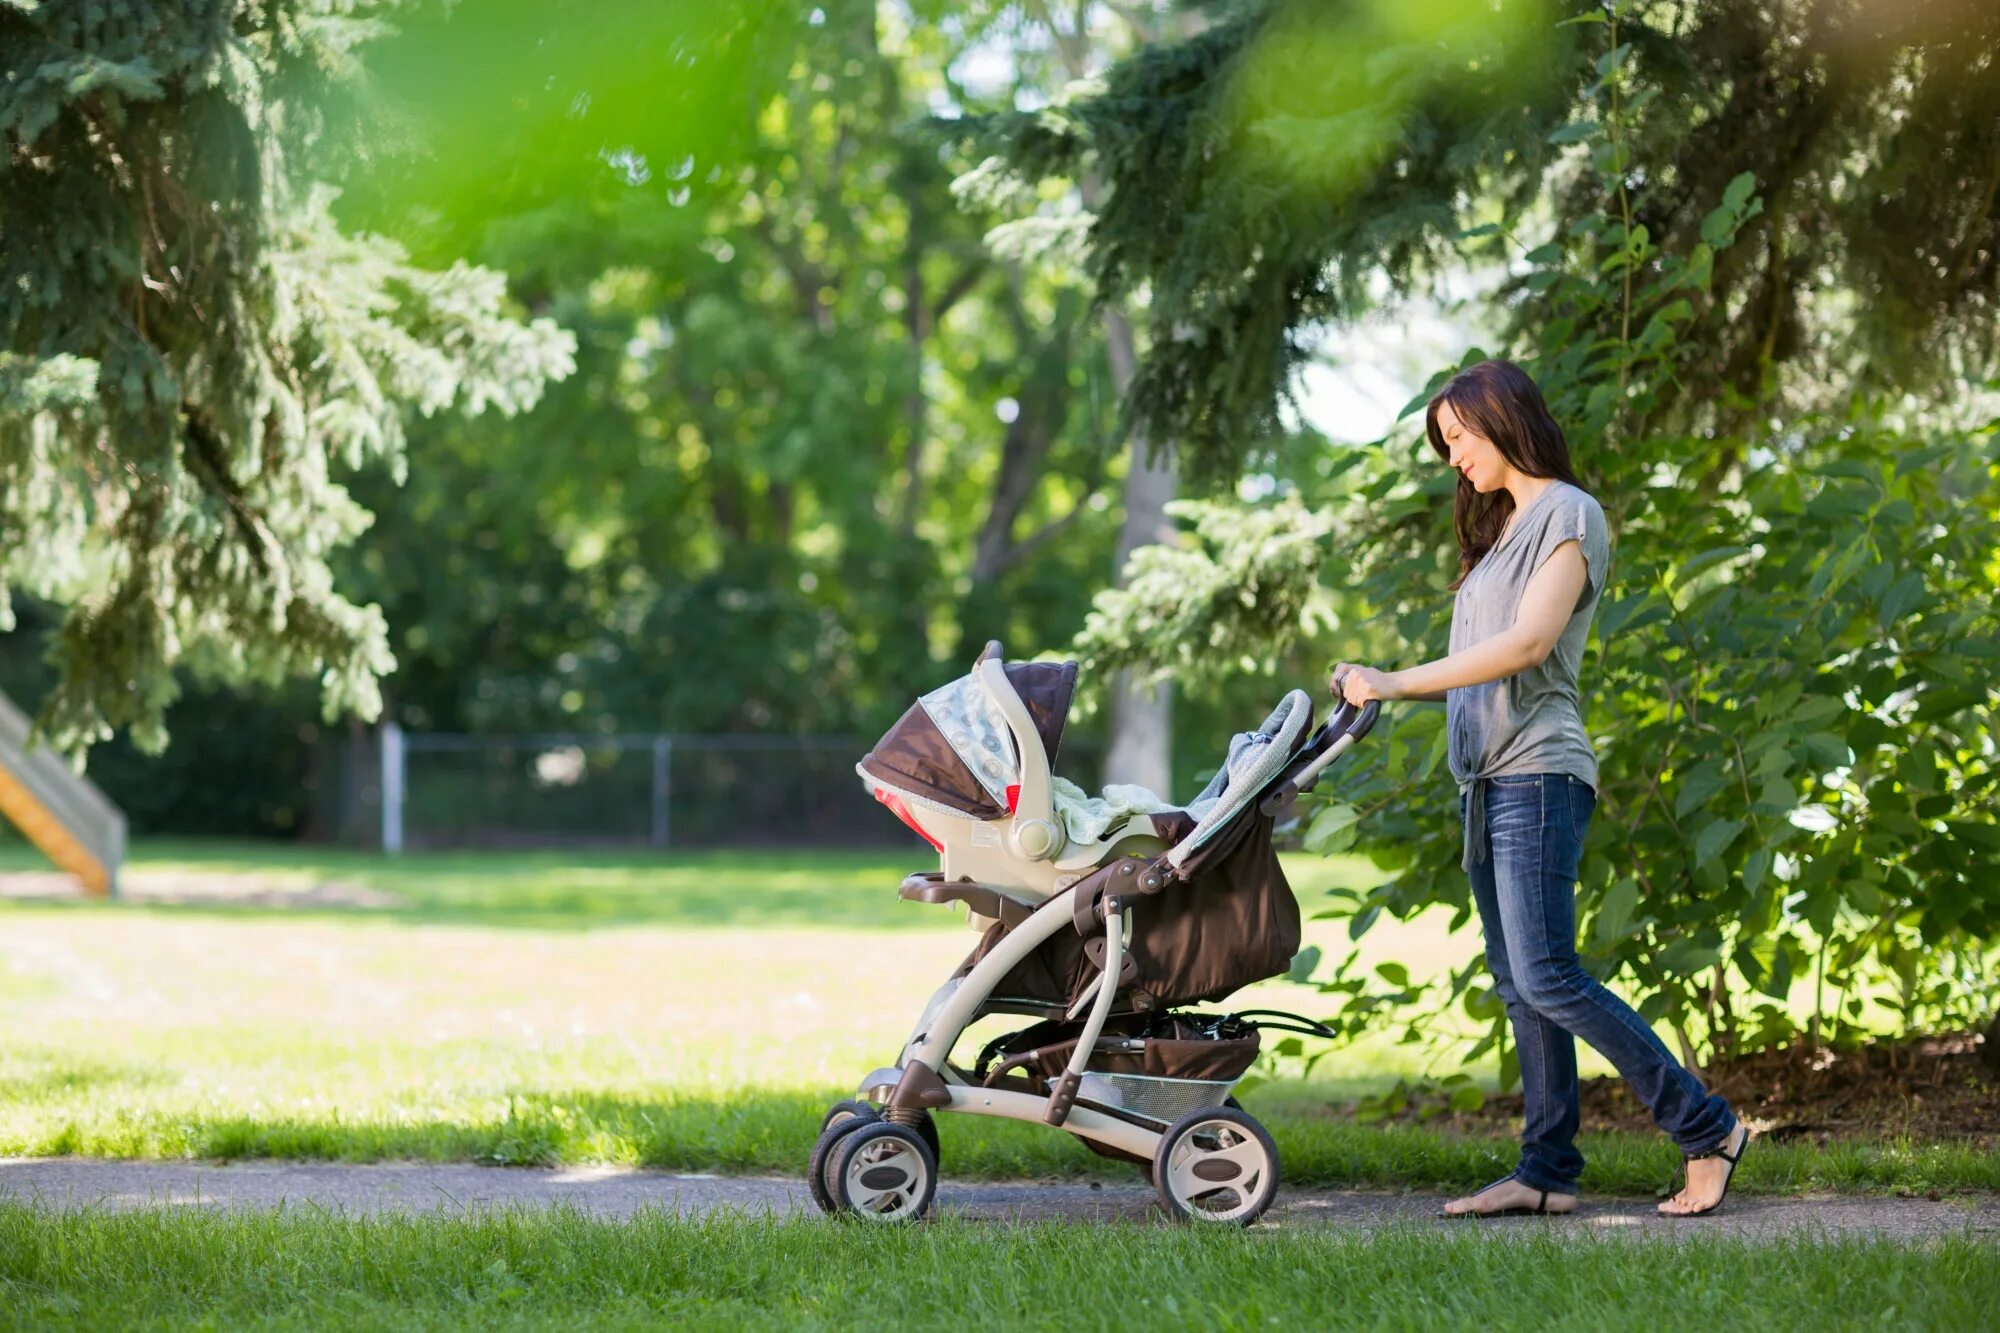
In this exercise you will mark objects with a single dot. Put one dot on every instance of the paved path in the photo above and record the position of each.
(616, 1192)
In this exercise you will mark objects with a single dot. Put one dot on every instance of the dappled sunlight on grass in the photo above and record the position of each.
(680, 1027)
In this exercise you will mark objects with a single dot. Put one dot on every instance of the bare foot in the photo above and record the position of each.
(1707, 1178)
(1509, 1193)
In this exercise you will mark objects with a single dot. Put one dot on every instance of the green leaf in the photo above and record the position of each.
(1980, 835)
(1363, 919)
(1614, 914)
(1576, 131)
(1903, 595)
(1685, 958)
(1776, 797)
(1393, 973)
(1303, 963)
(1333, 829)
(1755, 867)
(1713, 556)
(1922, 458)
(1712, 841)
(1699, 783)
(1738, 191)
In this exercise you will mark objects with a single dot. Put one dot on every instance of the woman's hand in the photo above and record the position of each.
(1359, 684)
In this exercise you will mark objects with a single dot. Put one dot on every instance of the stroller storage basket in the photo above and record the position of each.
(1165, 1048)
(1163, 1099)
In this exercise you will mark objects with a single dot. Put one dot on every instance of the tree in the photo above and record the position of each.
(1788, 688)
(819, 432)
(195, 354)
(1260, 175)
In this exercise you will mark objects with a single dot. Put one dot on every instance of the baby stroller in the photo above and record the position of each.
(1096, 921)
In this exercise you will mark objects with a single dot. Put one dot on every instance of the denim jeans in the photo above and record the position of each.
(1526, 892)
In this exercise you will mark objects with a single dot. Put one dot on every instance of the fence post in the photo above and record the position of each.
(392, 788)
(663, 753)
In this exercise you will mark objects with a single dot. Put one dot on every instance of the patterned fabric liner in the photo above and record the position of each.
(977, 731)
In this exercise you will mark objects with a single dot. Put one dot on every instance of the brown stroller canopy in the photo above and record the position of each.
(940, 760)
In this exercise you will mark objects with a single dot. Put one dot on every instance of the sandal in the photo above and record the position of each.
(1513, 1210)
(1720, 1150)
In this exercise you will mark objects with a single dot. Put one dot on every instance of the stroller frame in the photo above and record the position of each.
(877, 1156)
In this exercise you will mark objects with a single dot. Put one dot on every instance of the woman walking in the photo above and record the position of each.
(1533, 551)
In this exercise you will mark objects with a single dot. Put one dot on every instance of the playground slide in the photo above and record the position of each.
(62, 812)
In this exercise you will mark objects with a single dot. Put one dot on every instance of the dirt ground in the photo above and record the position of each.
(1940, 1087)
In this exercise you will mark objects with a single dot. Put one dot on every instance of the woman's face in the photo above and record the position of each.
(1477, 458)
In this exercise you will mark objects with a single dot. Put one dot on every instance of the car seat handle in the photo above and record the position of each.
(1038, 832)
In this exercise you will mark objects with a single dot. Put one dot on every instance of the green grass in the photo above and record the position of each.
(694, 1012)
(168, 1269)
(558, 890)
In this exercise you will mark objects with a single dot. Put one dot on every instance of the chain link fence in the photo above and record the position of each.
(658, 791)
(415, 791)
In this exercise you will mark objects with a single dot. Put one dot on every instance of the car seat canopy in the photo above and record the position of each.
(953, 747)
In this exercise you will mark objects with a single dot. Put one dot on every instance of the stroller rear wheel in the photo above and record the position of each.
(1216, 1165)
(842, 1120)
(1146, 1168)
(882, 1172)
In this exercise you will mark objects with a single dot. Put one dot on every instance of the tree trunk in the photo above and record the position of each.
(1141, 719)
(1141, 747)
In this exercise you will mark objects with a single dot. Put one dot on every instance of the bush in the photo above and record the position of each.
(1790, 684)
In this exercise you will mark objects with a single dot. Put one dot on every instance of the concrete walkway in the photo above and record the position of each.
(617, 1192)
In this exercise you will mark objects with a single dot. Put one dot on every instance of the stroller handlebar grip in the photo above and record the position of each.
(1348, 724)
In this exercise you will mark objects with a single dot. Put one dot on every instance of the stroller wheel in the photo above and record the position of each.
(882, 1172)
(1216, 1165)
(848, 1110)
(842, 1120)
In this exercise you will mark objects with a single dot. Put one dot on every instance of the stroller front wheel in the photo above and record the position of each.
(1216, 1165)
(883, 1172)
(848, 1110)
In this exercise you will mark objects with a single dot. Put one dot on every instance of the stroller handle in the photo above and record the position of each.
(1341, 733)
(1347, 720)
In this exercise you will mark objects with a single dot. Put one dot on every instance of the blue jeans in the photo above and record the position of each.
(1526, 891)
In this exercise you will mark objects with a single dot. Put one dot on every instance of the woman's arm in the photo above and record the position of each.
(1546, 606)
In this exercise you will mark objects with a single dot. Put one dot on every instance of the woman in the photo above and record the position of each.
(1533, 551)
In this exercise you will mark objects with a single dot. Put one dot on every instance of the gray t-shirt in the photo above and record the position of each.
(1529, 722)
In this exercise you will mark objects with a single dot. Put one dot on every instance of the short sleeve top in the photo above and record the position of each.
(1531, 721)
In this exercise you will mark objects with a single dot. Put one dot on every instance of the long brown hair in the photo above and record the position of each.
(1496, 399)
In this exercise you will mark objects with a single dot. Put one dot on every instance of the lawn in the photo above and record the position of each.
(177, 1269)
(693, 1012)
